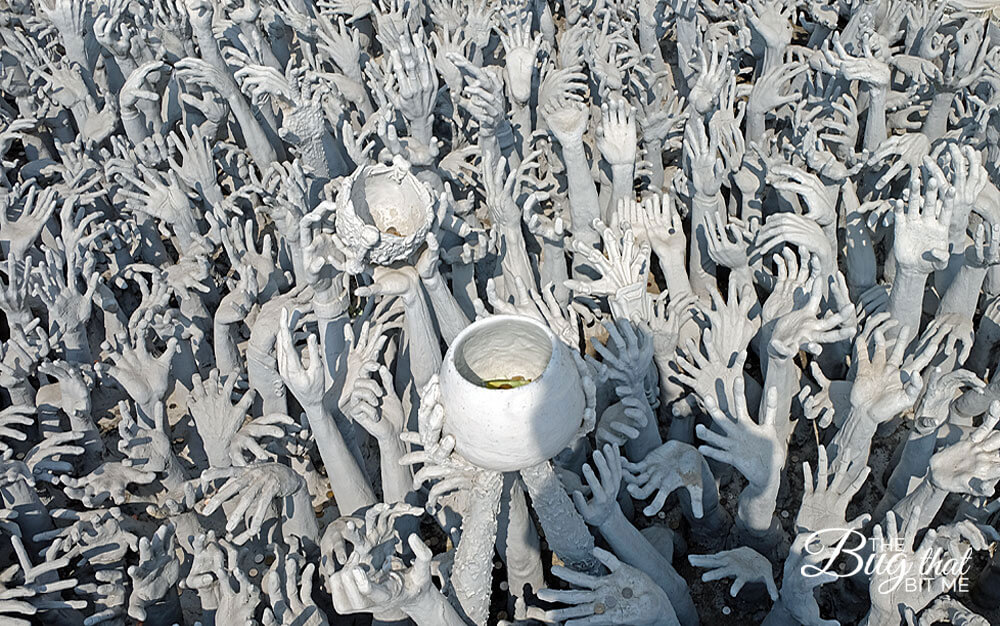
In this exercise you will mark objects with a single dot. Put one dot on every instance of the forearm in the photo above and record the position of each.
(755, 508)
(91, 441)
(329, 157)
(463, 287)
(422, 129)
(208, 48)
(227, 355)
(975, 402)
(773, 57)
(917, 452)
(982, 355)
(256, 37)
(517, 540)
(515, 262)
(134, 124)
(75, 44)
(75, 344)
(299, 520)
(906, 298)
(633, 548)
(291, 253)
(422, 339)
(22, 393)
(584, 206)
(264, 378)
(674, 269)
(688, 34)
(474, 555)
(715, 520)
(173, 476)
(860, 267)
(622, 182)
(359, 96)
(258, 142)
(962, 295)
(936, 122)
(875, 124)
(779, 615)
(782, 375)
(854, 439)
(211, 192)
(330, 306)
(552, 269)
(755, 125)
(186, 231)
(654, 155)
(151, 248)
(432, 609)
(566, 531)
(701, 269)
(397, 479)
(450, 317)
(925, 497)
(350, 485)
(649, 43)
(193, 307)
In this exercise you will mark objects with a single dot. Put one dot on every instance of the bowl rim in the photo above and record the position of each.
(478, 325)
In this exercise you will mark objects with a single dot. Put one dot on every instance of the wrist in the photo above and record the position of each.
(174, 476)
(330, 303)
(864, 422)
(429, 607)
(128, 112)
(925, 426)
(411, 295)
(667, 251)
(423, 603)
(572, 147)
(742, 274)
(612, 524)
(756, 505)
(432, 280)
(622, 171)
(421, 129)
(930, 484)
(390, 446)
(302, 521)
(776, 358)
(773, 56)
(75, 337)
(907, 271)
(877, 93)
(217, 453)
(704, 203)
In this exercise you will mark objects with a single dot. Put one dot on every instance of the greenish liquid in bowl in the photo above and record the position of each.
(507, 383)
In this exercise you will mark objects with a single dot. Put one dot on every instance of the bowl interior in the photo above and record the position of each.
(507, 349)
(394, 208)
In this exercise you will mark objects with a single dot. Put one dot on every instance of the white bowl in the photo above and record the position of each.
(510, 429)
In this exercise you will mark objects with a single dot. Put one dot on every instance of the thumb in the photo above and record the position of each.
(172, 349)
